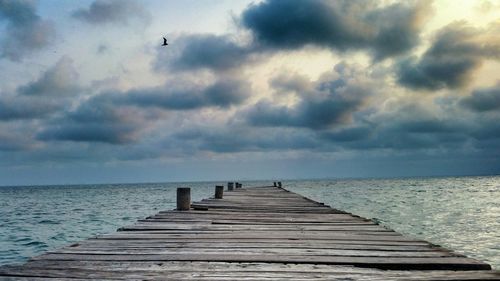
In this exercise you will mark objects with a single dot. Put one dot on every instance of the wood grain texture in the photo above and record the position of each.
(261, 233)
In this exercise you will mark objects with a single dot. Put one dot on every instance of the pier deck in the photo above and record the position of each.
(262, 233)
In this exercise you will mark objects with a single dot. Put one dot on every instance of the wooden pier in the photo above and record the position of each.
(260, 233)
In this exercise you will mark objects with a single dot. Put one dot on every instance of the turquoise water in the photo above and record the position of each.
(461, 213)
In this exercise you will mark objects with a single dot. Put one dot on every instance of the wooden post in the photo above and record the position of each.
(279, 184)
(183, 198)
(238, 185)
(230, 186)
(219, 191)
(274, 184)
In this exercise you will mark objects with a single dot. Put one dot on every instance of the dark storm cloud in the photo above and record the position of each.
(315, 114)
(410, 128)
(123, 117)
(95, 120)
(405, 130)
(227, 93)
(216, 52)
(44, 96)
(414, 127)
(13, 141)
(25, 32)
(348, 134)
(322, 104)
(483, 100)
(383, 30)
(230, 139)
(395, 139)
(220, 94)
(113, 11)
(415, 118)
(487, 132)
(455, 53)
(16, 108)
(59, 80)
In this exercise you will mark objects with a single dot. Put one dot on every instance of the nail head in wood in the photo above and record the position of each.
(183, 198)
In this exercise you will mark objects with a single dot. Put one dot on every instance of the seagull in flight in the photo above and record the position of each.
(165, 42)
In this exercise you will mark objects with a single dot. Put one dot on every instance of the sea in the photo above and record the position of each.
(459, 213)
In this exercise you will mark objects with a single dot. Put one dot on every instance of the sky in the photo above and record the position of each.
(247, 90)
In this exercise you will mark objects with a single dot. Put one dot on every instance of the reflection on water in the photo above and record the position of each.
(37, 219)
(461, 213)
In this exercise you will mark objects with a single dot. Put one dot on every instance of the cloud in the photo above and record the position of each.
(487, 133)
(219, 94)
(237, 138)
(420, 126)
(24, 108)
(404, 129)
(483, 100)
(13, 141)
(291, 82)
(53, 89)
(101, 49)
(119, 118)
(349, 134)
(486, 6)
(329, 104)
(457, 50)
(315, 114)
(113, 12)
(26, 32)
(59, 80)
(96, 120)
(385, 31)
(217, 52)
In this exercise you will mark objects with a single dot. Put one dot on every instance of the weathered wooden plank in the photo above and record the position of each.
(406, 263)
(228, 267)
(257, 208)
(281, 235)
(223, 213)
(243, 273)
(120, 244)
(286, 234)
(234, 227)
(263, 240)
(255, 251)
(256, 223)
(150, 271)
(243, 218)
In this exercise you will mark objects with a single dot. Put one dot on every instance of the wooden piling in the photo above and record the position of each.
(279, 184)
(274, 184)
(230, 186)
(219, 191)
(183, 198)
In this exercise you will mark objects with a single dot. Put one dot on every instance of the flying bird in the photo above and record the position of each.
(165, 41)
